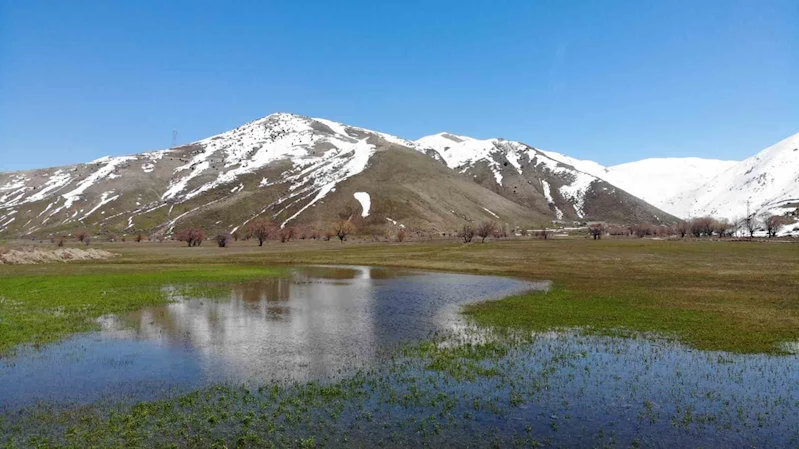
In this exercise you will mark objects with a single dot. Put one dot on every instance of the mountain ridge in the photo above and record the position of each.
(307, 171)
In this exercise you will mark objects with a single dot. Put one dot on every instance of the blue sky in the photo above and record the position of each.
(612, 81)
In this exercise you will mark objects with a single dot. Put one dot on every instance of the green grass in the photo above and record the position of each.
(41, 308)
(733, 296)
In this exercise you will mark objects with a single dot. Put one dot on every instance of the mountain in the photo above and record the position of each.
(537, 180)
(692, 187)
(769, 181)
(657, 180)
(310, 171)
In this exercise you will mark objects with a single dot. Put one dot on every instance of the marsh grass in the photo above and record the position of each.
(529, 389)
(43, 308)
(718, 295)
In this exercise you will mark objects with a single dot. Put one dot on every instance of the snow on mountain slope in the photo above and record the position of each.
(567, 187)
(769, 180)
(286, 167)
(318, 154)
(659, 180)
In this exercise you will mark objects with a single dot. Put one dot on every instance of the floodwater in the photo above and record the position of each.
(318, 323)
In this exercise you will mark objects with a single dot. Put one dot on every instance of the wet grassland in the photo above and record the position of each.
(637, 344)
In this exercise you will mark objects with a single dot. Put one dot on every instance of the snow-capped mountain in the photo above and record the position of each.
(540, 179)
(657, 180)
(306, 171)
(768, 181)
(692, 187)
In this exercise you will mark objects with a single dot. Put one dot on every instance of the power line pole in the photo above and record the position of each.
(174, 138)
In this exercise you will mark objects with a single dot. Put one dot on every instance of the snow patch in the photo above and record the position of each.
(366, 202)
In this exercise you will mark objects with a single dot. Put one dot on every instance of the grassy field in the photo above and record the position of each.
(44, 303)
(732, 296)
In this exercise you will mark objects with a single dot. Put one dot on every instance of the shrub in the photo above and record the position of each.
(486, 229)
(596, 230)
(466, 233)
(287, 233)
(261, 229)
(222, 239)
(192, 236)
(342, 229)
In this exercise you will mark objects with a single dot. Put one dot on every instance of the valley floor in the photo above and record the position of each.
(736, 297)
(721, 295)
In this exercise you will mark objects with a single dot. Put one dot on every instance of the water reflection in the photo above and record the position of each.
(320, 322)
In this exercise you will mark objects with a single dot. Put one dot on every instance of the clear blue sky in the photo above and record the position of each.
(612, 81)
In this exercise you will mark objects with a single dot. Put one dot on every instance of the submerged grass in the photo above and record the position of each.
(733, 296)
(47, 306)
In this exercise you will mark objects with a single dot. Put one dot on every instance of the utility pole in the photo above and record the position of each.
(174, 138)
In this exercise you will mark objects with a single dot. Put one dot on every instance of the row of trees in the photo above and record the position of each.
(262, 230)
(699, 227)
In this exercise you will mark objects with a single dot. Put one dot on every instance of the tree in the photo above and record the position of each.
(139, 238)
(774, 223)
(485, 229)
(543, 234)
(192, 236)
(682, 228)
(287, 233)
(342, 229)
(400, 235)
(82, 235)
(467, 233)
(723, 227)
(596, 230)
(222, 239)
(750, 225)
(236, 235)
(261, 229)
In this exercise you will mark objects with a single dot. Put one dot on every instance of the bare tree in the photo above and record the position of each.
(261, 229)
(236, 235)
(342, 229)
(287, 233)
(723, 227)
(774, 223)
(467, 233)
(82, 235)
(192, 236)
(543, 234)
(400, 235)
(222, 239)
(682, 228)
(485, 229)
(596, 230)
(750, 225)
(139, 238)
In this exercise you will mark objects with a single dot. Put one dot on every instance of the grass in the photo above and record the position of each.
(734, 296)
(63, 299)
(737, 297)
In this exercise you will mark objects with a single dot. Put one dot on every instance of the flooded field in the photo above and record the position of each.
(364, 357)
(318, 323)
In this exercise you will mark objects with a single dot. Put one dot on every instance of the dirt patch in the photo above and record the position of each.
(18, 256)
